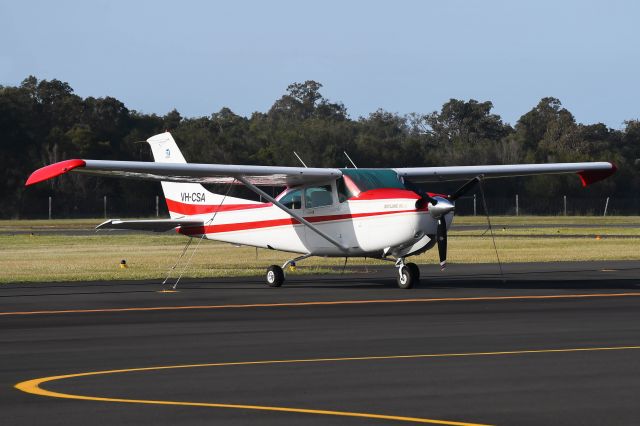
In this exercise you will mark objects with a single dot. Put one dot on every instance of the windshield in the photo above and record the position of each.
(367, 179)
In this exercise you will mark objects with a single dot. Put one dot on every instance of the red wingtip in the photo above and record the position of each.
(53, 170)
(587, 177)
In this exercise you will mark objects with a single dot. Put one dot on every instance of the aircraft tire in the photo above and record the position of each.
(407, 277)
(275, 276)
(415, 271)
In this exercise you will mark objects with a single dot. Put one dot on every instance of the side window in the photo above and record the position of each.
(292, 200)
(318, 196)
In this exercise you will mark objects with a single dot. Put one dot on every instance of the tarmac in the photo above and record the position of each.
(545, 343)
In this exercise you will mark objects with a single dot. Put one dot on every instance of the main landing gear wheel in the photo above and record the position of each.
(408, 276)
(275, 276)
(415, 271)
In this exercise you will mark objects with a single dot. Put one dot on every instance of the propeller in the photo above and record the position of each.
(438, 211)
(439, 207)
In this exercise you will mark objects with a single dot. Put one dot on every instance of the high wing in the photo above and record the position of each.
(188, 172)
(588, 172)
(156, 225)
(290, 176)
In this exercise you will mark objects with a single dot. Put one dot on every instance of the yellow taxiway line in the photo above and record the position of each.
(34, 386)
(322, 303)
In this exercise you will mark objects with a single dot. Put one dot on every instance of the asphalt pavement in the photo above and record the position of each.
(554, 343)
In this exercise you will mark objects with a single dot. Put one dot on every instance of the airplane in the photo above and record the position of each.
(351, 212)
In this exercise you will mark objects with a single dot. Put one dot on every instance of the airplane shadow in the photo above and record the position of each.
(552, 280)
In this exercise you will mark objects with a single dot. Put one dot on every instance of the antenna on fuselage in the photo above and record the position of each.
(350, 160)
(299, 159)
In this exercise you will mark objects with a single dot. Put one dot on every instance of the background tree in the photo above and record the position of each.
(44, 121)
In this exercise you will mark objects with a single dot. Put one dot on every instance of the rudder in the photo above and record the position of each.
(185, 199)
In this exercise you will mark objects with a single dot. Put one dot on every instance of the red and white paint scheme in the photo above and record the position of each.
(322, 212)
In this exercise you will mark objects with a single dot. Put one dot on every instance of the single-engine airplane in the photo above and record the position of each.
(327, 212)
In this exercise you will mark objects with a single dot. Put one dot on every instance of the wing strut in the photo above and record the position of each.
(292, 214)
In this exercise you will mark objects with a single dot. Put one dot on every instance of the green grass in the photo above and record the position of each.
(54, 257)
(502, 230)
(25, 258)
(549, 220)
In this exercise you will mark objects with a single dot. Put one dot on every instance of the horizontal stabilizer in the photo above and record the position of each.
(158, 225)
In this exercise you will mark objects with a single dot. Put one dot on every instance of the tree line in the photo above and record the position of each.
(44, 121)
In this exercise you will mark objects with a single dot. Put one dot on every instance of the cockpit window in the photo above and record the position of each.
(318, 196)
(367, 179)
(292, 199)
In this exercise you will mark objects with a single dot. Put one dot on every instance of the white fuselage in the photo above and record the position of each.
(387, 222)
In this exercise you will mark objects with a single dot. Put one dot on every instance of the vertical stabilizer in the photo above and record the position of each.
(187, 199)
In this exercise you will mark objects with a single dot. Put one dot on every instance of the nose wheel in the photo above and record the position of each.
(408, 274)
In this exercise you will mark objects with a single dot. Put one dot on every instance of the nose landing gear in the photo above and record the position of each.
(408, 274)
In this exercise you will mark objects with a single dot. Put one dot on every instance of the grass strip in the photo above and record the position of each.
(47, 258)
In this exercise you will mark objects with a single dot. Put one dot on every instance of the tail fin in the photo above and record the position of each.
(186, 199)
(164, 149)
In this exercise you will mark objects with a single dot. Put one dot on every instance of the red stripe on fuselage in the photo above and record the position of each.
(386, 194)
(192, 209)
(371, 195)
(243, 226)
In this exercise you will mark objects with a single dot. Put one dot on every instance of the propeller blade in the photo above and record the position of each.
(432, 200)
(441, 238)
(464, 188)
(425, 197)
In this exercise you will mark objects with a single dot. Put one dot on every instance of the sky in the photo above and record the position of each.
(402, 56)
